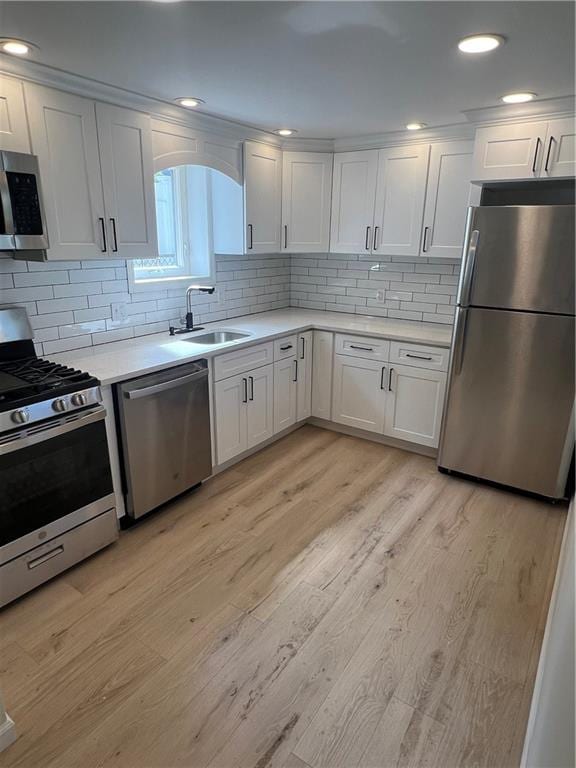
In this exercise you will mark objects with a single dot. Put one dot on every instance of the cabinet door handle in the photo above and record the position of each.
(251, 237)
(418, 357)
(538, 142)
(115, 240)
(390, 372)
(245, 390)
(364, 349)
(295, 371)
(548, 154)
(375, 241)
(367, 241)
(285, 236)
(424, 238)
(103, 230)
(383, 371)
(302, 351)
(251, 380)
(285, 347)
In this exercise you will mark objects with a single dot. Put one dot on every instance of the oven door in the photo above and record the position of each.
(22, 221)
(53, 477)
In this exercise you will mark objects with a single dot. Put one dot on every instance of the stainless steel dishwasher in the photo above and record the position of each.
(165, 428)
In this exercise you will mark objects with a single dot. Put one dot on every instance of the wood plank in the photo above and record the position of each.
(327, 601)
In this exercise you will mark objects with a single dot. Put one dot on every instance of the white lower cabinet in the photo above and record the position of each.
(260, 406)
(394, 400)
(322, 355)
(414, 404)
(244, 411)
(359, 396)
(230, 412)
(285, 393)
(304, 376)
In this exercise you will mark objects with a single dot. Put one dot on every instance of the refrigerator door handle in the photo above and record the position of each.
(459, 339)
(468, 269)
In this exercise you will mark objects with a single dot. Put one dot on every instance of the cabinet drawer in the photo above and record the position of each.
(285, 347)
(362, 346)
(419, 355)
(242, 360)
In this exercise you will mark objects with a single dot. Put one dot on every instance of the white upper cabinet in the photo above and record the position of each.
(97, 176)
(306, 190)
(400, 195)
(13, 124)
(262, 197)
(125, 139)
(353, 194)
(560, 155)
(63, 132)
(447, 198)
(509, 151)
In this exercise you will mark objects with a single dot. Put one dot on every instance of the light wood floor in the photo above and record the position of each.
(327, 602)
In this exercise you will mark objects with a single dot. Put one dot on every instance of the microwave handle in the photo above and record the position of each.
(6, 204)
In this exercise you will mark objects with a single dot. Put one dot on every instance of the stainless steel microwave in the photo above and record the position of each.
(22, 221)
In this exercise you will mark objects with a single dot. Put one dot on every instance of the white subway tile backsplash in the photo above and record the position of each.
(77, 289)
(419, 289)
(70, 303)
(58, 305)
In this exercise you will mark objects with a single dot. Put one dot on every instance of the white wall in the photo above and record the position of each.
(550, 733)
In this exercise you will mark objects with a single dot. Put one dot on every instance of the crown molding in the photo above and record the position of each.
(396, 138)
(308, 145)
(203, 121)
(562, 106)
(53, 77)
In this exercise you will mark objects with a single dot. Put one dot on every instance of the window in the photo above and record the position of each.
(198, 214)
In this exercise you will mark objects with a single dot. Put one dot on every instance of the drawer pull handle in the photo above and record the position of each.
(285, 347)
(390, 372)
(364, 349)
(418, 357)
(244, 390)
(251, 379)
(295, 371)
(382, 377)
(45, 557)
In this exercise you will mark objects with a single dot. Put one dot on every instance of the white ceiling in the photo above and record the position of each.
(329, 69)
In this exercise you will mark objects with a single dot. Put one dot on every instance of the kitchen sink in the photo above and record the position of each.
(218, 337)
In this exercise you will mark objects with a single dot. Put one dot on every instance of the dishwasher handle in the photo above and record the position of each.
(134, 394)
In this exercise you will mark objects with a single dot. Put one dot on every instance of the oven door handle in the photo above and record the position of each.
(47, 432)
(6, 203)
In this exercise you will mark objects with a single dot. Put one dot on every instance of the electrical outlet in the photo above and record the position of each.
(381, 295)
(119, 311)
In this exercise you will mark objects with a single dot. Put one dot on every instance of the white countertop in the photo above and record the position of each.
(123, 360)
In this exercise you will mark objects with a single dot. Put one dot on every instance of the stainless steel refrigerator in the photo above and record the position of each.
(509, 407)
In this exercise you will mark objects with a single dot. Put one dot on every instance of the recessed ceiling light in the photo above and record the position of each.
(415, 126)
(480, 43)
(518, 98)
(189, 101)
(286, 131)
(16, 47)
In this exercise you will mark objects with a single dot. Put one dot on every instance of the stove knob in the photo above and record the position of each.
(21, 416)
(60, 405)
(79, 399)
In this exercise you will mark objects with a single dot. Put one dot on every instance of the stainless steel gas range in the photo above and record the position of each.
(57, 504)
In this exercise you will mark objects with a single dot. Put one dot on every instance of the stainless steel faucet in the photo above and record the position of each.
(189, 314)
